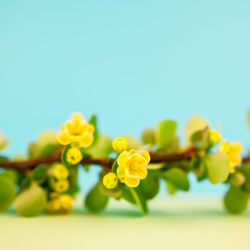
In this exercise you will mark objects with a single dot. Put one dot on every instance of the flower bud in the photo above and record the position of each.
(73, 156)
(120, 144)
(60, 172)
(214, 136)
(110, 180)
(61, 186)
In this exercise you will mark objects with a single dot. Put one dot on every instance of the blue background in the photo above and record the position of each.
(131, 62)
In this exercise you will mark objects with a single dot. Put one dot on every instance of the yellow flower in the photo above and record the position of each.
(110, 180)
(120, 144)
(214, 136)
(60, 204)
(60, 172)
(73, 156)
(132, 167)
(77, 132)
(3, 142)
(61, 186)
(233, 151)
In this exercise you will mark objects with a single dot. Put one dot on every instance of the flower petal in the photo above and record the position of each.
(132, 182)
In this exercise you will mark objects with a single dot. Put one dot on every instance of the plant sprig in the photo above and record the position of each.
(47, 178)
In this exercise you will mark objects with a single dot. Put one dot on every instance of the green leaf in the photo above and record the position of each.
(132, 142)
(73, 181)
(115, 192)
(39, 174)
(49, 149)
(126, 194)
(150, 186)
(25, 182)
(217, 167)
(178, 178)
(148, 136)
(194, 125)
(165, 133)
(13, 175)
(235, 200)
(7, 192)
(32, 201)
(246, 172)
(102, 147)
(93, 121)
(95, 200)
(171, 188)
(140, 199)
(64, 156)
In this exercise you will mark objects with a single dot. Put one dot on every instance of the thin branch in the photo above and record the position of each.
(107, 163)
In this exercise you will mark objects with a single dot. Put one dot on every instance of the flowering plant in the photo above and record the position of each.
(47, 178)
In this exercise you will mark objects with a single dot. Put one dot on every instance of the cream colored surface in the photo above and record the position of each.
(172, 224)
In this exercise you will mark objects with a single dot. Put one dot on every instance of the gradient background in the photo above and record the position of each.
(132, 63)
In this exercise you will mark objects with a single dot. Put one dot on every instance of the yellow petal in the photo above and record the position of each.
(236, 147)
(63, 138)
(77, 116)
(132, 182)
(86, 141)
(121, 173)
(145, 155)
(123, 158)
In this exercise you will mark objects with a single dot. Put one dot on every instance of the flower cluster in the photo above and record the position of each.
(76, 132)
(132, 165)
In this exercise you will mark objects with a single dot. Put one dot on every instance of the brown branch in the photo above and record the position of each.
(107, 163)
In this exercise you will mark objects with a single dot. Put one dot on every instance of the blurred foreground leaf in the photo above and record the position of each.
(95, 200)
(32, 201)
(235, 200)
(217, 167)
(178, 178)
(7, 192)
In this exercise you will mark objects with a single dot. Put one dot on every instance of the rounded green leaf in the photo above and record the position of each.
(32, 201)
(101, 148)
(246, 171)
(178, 178)
(95, 200)
(165, 133)
(235, 200)
(150, 186)
(195, 124)
(217, 167)
(132, 142)
(115, 192)
(148, 136)
(7, 192)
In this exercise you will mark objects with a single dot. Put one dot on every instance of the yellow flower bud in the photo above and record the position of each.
(214, 136)
(73, 156)
(60, 172)
(110, 180)
(61, 186)
(120, 144)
